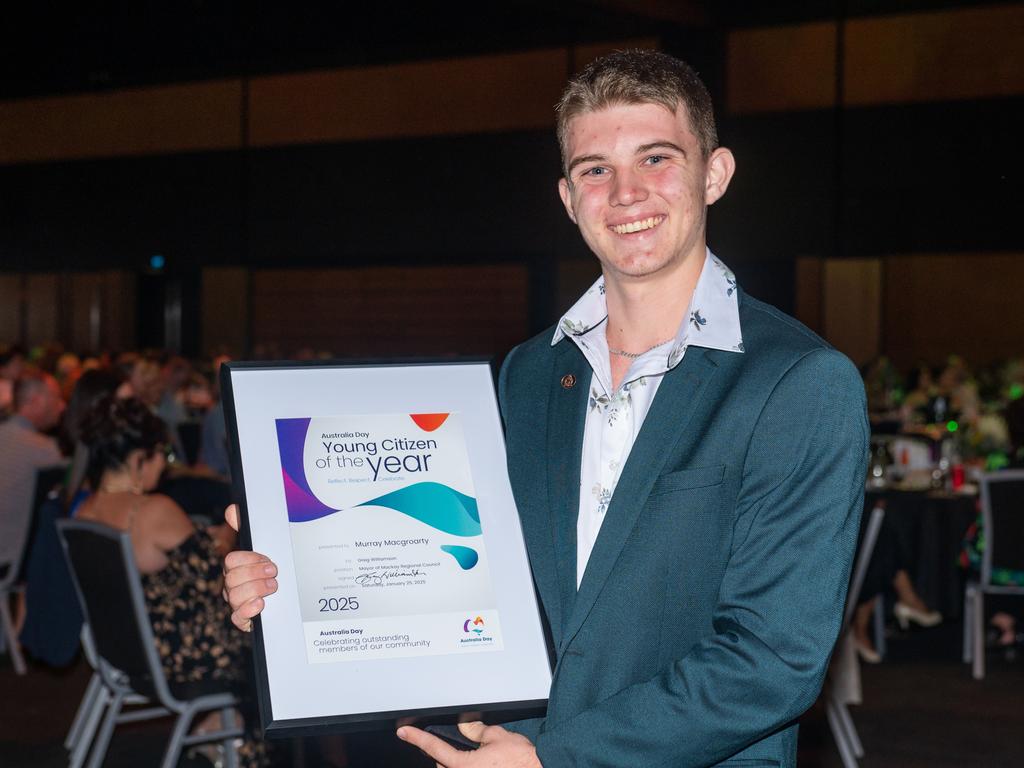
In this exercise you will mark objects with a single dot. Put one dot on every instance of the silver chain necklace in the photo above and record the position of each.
(635, 355)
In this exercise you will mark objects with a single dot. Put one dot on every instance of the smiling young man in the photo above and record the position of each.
(688, 464)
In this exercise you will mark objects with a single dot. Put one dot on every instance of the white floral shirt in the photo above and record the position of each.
(614, 418)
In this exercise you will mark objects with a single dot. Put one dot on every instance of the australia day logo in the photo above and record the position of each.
(474, 627)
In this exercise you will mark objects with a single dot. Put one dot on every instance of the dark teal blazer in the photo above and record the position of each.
(713, 597)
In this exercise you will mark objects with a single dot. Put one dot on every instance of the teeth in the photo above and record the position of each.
(637, 226)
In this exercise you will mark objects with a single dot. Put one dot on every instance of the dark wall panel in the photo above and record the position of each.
(470, 198)
(119, 212)
(921, 178)
(934, 177)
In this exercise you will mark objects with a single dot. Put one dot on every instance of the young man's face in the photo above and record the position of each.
(638, 188)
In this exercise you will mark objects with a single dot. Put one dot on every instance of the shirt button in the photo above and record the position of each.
(568, 381)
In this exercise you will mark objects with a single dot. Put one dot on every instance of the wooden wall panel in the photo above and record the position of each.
(781, 68)
(955, 54)
(386, 311)
(10, 309)
(852, 307)
(481, 94)
(42, 306)
(175, 118)
(85, 313)
(225, 310)
(487, 93)
(938, 56)
(118, 324)
(969, 304)
(809, 273)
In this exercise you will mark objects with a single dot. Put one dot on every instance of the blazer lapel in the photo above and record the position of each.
(566, 414)
(664, 428)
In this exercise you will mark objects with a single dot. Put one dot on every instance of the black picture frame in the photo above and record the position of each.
(275, 727)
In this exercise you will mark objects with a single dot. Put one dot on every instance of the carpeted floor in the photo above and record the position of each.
(921, 708)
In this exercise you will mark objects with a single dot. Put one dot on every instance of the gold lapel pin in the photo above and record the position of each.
(568, 381)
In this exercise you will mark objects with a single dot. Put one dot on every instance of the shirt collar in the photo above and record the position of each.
(712, 320)
(22, 422)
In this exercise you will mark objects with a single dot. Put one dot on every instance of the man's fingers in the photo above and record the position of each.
(240, 594)
(242, 618)
(435, 748)
(474, 730)
(240, 567)
(231, 516)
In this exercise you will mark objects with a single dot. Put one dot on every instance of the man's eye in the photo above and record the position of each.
(655, 159)
(596, 171)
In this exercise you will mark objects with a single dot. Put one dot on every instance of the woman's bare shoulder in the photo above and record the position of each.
(162, 515)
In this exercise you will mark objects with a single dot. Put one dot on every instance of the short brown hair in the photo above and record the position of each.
(30, 381)
(638, 77)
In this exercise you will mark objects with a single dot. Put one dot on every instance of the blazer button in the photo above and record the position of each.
(568, 381)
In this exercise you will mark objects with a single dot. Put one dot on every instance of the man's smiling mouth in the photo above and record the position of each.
(637, 226)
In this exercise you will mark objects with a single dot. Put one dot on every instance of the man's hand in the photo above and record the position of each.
(248, 578)
(498, 748)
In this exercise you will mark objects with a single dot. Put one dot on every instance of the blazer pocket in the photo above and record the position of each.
(684, 479)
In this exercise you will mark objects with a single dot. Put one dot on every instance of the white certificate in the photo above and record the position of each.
(381, 493)
(386, 536)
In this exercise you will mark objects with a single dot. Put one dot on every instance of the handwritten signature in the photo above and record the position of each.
(378, 578)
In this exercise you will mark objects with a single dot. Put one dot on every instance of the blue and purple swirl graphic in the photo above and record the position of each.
(433, 504)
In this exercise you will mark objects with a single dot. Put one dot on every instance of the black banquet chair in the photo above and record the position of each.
(109, 588)
(1002, 514)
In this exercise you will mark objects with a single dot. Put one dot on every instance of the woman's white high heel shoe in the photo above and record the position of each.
(905, 614)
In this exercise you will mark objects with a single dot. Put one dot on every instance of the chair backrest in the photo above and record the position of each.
(47, 478)
(109, 590)
(1002, 509)
(865, 549)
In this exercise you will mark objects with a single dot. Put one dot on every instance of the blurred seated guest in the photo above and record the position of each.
(1003, 622)
(175, 373)
(213, 450)
(53, 619)
(23, 451)
(1015, 428)
(888, 567)
(67, 369)
(91, 387)
(957, 386)
(140, 377)
(12, 363)
(180, 563)
(921, 393)
(883, 386)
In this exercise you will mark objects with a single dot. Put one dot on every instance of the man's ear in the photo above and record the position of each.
(720, 168)
(566, 194)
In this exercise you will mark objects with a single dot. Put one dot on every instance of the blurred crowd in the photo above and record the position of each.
(979, 411)
(183, 393)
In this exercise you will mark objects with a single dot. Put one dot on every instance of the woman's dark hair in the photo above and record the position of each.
(114, 428)
(91, 387)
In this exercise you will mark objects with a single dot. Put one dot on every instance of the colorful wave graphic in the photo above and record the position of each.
(435, 504)
(302, 504)
(466, 557)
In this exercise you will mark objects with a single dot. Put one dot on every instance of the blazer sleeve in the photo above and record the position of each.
(780, 604)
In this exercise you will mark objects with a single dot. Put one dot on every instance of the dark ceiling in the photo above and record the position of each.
(51, 47)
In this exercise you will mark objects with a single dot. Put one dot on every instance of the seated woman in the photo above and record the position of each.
(180, 563)
(888, 568)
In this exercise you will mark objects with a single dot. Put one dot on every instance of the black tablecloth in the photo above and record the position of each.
(928, 528)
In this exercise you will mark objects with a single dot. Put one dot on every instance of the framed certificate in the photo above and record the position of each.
(381, 493)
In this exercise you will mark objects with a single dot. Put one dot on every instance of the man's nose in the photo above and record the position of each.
(628, 188)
